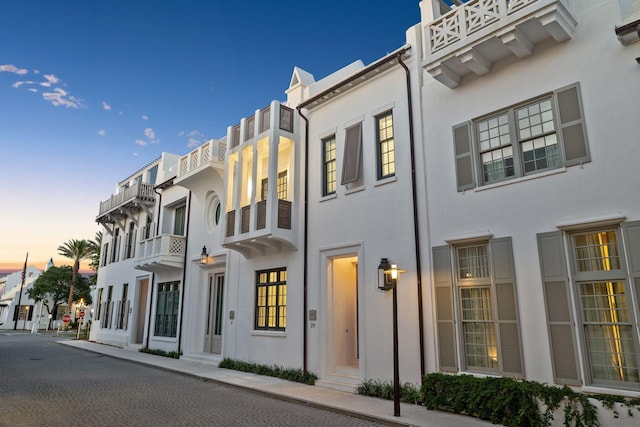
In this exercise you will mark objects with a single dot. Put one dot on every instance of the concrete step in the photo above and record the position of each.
(340, 381)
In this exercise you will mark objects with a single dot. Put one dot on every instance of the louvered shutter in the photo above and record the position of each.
(103, 312)
(15, 312)
(118, 313)
(507, 308)
(126, 315)
(30, 315)
(632, 237)
(463, 156)
(555, 284)
(447, 359)
(572, 127)
(352, 155)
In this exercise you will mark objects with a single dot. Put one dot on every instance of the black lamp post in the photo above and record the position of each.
(388, 280)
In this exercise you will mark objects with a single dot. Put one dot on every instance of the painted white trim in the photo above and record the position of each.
(473, 236)
(350, 123)
(605, 220)
(383, 108)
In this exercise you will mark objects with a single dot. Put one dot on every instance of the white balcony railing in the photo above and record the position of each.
(139, 191)
(469, 18)
(166, 249)
(479, 33)
(211, 151)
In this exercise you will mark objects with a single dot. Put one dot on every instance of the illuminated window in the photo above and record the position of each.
(329, 175)
(607, 321)
(271, 299)
(386, 150)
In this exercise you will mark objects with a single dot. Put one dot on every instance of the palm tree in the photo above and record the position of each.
(77, 250)
(96, 245)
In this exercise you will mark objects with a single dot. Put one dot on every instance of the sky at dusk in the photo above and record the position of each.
(93, 90)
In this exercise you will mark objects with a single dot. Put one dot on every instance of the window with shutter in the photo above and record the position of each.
(480, 293)
(352, 161)
(537, 135)
(603, 298)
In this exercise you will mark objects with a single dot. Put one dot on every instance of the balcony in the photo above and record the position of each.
(126, 203)
(474, 36)
(204, 162)
(161, 253)
(260, 228)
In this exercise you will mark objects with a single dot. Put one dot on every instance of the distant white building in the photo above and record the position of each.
(491, 158)
(16, 308)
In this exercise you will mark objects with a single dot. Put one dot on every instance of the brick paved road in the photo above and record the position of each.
(43, 383)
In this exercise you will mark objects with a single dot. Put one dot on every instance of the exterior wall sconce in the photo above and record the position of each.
(386, 277)
(204, 256)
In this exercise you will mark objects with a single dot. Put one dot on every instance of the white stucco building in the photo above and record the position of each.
(491, 158)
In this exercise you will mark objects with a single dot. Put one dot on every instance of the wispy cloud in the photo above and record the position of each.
(194, 139)
(10, 68)
(59, 97)
(150, 135)
(145, 117)
(50, 80)
(106, 106)
(102, 132)
(56, 95)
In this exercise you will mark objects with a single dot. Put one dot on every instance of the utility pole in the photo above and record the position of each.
(24, 273)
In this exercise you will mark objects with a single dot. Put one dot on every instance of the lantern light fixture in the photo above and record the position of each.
(204, 256)
(387, 275)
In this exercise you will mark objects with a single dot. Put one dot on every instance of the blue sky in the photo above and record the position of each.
(90, 91)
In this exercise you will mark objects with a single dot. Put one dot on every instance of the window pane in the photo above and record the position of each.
(609, 331)
(596, 251)
(540, 153)
(478, 328)
(473, 262)
(271, 300)
(494, 132)
(386, 148)
(534, 118)
(329, 166)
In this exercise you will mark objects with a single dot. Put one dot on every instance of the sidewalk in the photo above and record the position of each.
(350, 404)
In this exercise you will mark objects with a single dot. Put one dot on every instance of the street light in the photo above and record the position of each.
(388, 279)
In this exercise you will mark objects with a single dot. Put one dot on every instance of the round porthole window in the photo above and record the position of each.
(213, 211)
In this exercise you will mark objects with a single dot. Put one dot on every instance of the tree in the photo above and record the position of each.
(77, 250)
(96, 245)
(53, 286)
(94, 264)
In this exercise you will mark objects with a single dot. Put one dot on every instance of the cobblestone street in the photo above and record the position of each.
(43, 383)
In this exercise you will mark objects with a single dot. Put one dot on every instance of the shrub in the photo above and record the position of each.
(288, 374)
(158, 352)
(501, 400)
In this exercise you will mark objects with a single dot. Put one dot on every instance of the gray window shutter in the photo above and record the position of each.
(555, 284)
(118, 311)
(507, 308)
(126, 315)
(631, 232)
(571, 123)
(352, 154)
(444, 309)
(104, 315)
(464, 156)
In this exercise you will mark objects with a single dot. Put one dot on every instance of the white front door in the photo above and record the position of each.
(213, 328)
(345, 313)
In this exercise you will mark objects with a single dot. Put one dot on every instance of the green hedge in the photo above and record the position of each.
(502, 400)
(158, 352)
(288, 374)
